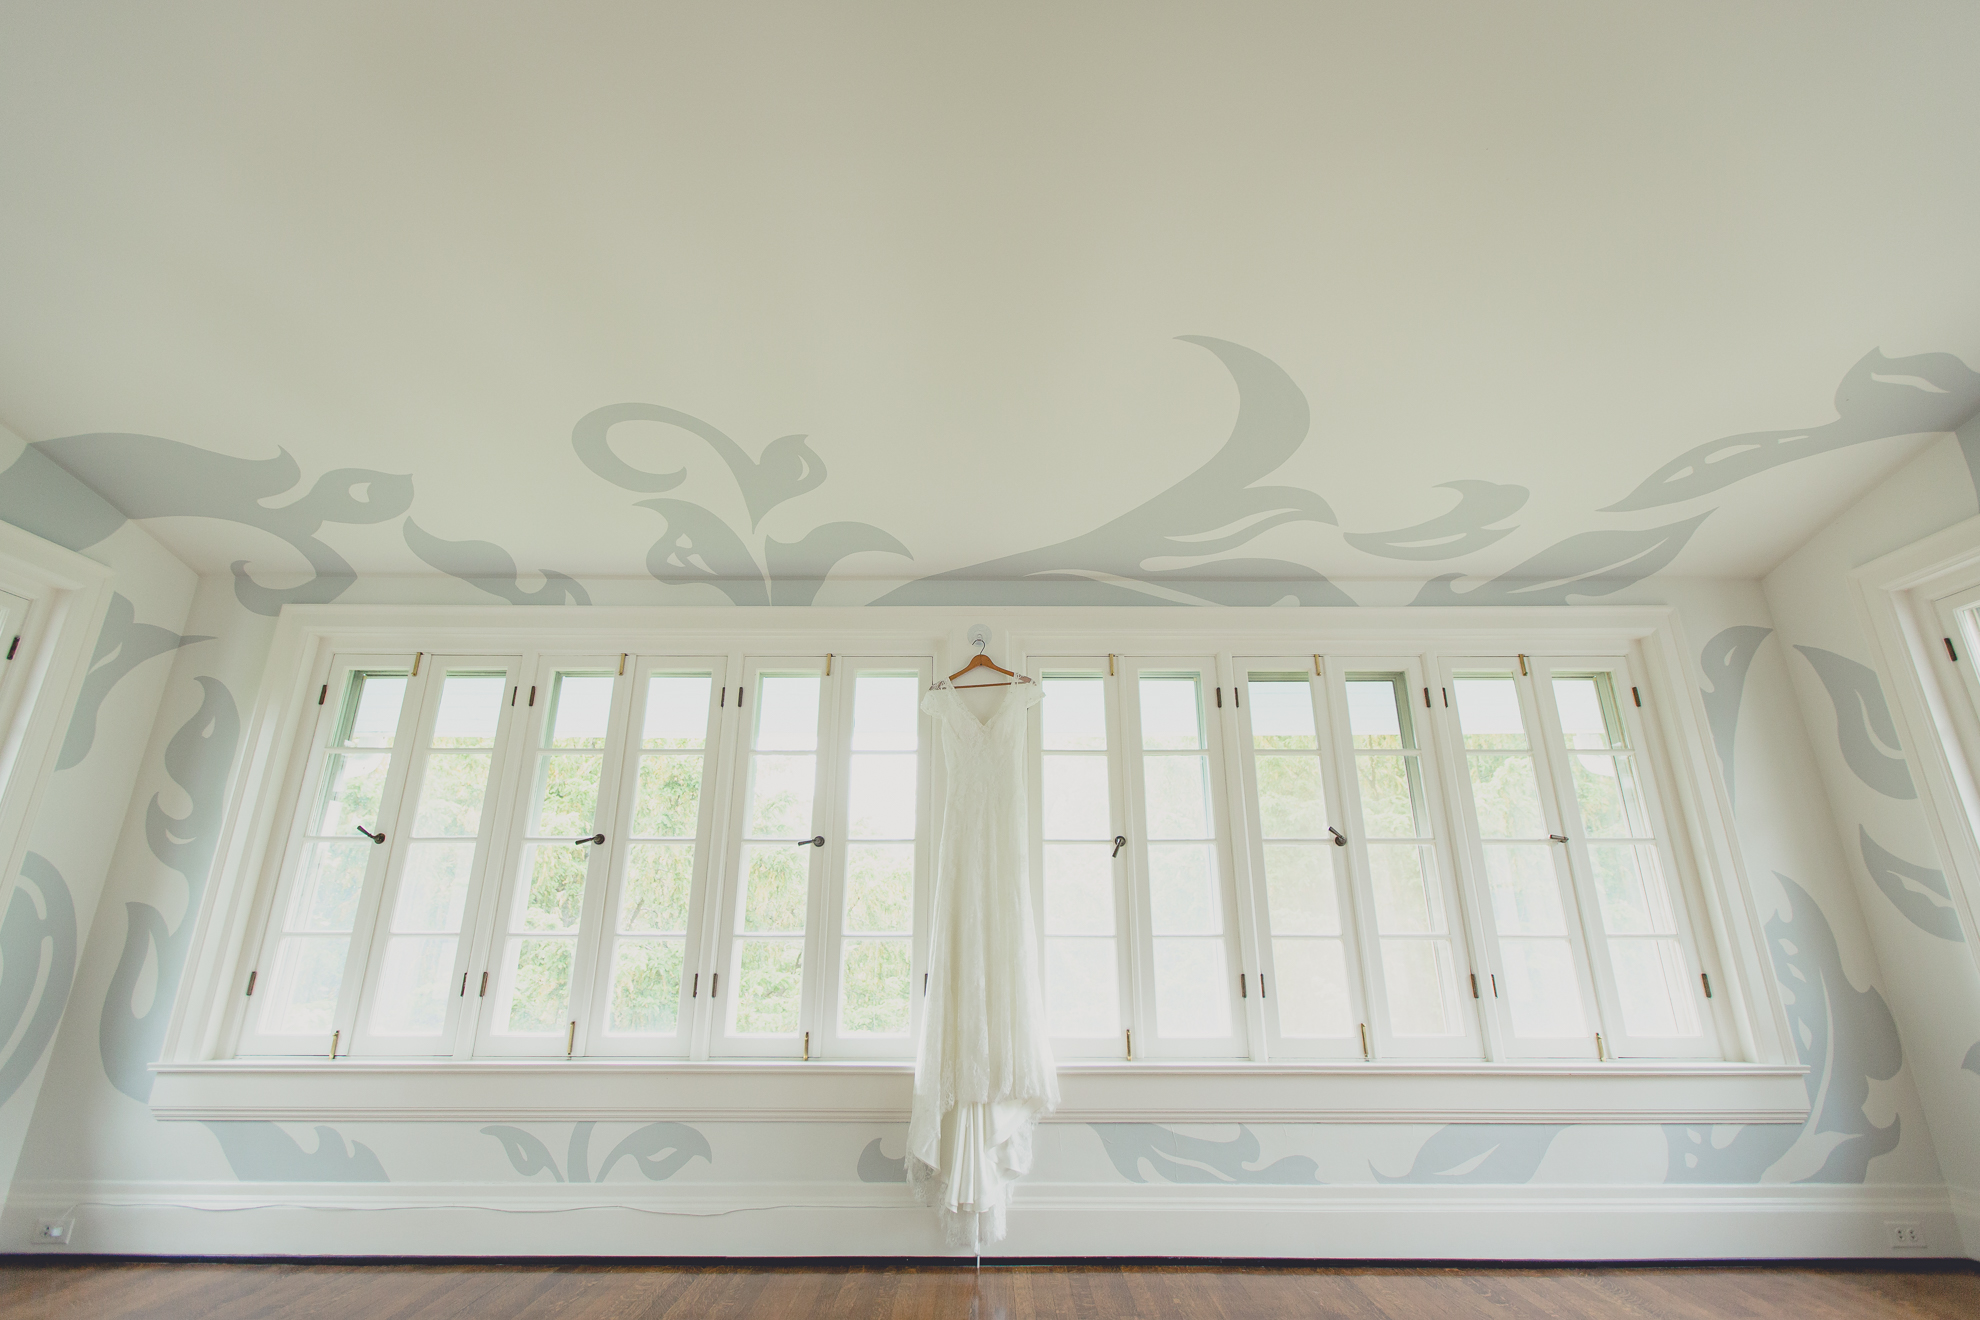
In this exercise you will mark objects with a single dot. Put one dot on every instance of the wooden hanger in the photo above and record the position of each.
(982, 661)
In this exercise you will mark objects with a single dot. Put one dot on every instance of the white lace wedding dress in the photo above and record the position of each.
(984, 1071)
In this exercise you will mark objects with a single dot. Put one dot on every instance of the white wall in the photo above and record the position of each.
(136, 1184)
(1930, 972)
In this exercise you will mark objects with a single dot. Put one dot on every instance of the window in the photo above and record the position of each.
(511, 859)
(721, 852)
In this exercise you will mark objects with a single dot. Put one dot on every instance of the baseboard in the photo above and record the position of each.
(1057, 1220)
(1966, 1214)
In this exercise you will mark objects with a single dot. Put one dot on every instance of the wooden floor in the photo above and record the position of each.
(31, 1288)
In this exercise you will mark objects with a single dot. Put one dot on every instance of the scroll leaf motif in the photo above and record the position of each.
(37, 967)
(644, 1146)
(1724, 661)
(1864, 728)
(1585, 564)
(1493, 1153)
(697, 546)
(263, 1152)
(1458, 532)
(1213, 509)
(525, 1152)
(489, 567)
(1845, 1036)
(197, 758)
(798, 569)
(1178, 1158)
(143, 476)
(787, 469)
(1972, 1061)
(876, 1166)
(121, 647)
(1915, 891)
(1878, 398)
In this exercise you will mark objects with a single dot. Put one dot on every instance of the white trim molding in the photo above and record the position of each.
(604, 1090)
(1048, 1220)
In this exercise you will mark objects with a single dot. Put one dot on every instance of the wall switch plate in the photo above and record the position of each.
(54, 1232)
(1906, 1237)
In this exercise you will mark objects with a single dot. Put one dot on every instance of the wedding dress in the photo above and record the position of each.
(983, 1072)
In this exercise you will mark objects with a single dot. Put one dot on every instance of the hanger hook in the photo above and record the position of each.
(981, 643)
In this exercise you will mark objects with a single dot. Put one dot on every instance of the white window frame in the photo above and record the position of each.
(1758, 1082)
(1907, 601)
(65, 597)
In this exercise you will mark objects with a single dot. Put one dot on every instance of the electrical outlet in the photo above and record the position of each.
(54, 1232)
(1906, 1237)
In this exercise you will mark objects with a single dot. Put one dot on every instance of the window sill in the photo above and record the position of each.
(745, 1091)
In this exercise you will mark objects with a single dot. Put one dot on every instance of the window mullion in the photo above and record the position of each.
(506, 787)
(825, 925)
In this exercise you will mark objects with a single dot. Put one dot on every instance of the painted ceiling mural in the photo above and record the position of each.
(1188, 544)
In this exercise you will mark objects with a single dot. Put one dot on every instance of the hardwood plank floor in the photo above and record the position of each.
(34, 1288)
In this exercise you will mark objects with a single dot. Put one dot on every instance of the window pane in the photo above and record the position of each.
(1082, 988)
(1378, 713)
(566, 794)
(1417, 975)
(1630, 888)
(787, 712)
(433, 888)
(777, 883)
(1075, 792)
(1192, 999)
(1178, 789)
(676, 711)
(1290, 805)
(1407, 901)
(874, 997)
(413, 986)
(770, 976)
(780, 796)
(352, 785)
(1182, 890)
(580, 708)
(1654, 987)
(539, 983)
(470, 709)
(880, 888)
(1171, 714)
(1281, 712)
(451, 793)
(1300, 889)
(1526, 890)
(326, 892)
(880, 796)
(1585, 720)
(886, 713)
(655, 894)
(1605, 789)
(1310, 988)
(1506, 791)
(372, 708)
(1540, 983)
(302, 994)
(1074, 715)
(668, 805)
(1488, 712)
(1079, 889)
(646, 987)
(1391, 798)
(554, 898)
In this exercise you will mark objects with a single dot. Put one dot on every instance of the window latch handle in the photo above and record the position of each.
(815, 841)
(596, 838)
(1558, 838)
(1120, 842)
(375, 838)
(1340, 839)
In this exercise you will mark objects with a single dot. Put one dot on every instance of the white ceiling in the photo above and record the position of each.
(1543, 245)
